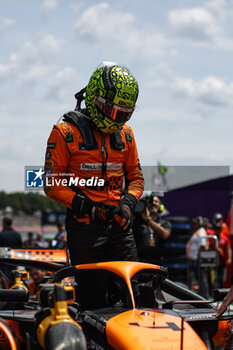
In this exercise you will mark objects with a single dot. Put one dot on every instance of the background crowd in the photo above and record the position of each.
(151, 228)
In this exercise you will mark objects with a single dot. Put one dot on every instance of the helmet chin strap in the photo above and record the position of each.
(80, 97)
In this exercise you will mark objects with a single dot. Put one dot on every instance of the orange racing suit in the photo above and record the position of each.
(73, 153)
(85, 155)
(66, 155)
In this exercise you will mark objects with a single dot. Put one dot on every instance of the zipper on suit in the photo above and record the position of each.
(104, 151)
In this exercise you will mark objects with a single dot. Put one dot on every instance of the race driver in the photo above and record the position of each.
(94, 146)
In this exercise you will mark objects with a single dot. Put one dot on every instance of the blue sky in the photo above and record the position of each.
(181, 53)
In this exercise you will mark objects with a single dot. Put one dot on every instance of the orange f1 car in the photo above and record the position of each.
(118, 305)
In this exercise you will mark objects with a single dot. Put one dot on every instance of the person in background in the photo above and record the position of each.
(37, 277)
(9, 238)
(211, 245)
(224, 248)
(196, 242)
(30, 242)
(59, 241)
(40, 242)
(220, 225)
(151, 230)
(208, 227)
(228, 220)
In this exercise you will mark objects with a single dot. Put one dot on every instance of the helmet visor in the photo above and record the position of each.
(112, 111)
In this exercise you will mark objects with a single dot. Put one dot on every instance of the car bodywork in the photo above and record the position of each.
(119, 305)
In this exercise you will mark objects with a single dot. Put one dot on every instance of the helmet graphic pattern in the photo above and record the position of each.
(117, 85)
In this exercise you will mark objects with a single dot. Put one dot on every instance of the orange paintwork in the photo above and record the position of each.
(50, 255)
(137, 328)
(223, 334)
(7, 339)
(153, 330)
(125, 269)
(125, 336)
(15, 326)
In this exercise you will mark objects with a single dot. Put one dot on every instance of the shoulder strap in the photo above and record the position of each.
(84, 125)
(80, 120)
(116, 141)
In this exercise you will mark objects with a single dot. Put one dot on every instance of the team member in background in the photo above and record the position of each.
(30, 242)
(151, 230)
(99, 150)
(196, 242)
(219, 225)
(9, 238)
(224, 248)
(59, 241)
(40, 241)
(37, 277)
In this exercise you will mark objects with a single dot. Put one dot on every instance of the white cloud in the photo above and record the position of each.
(34, 59)
(6, 24)
(218, 8)
(61, 85)
(40, 50)
(49, 5)
(76, 6)
(210, 90)
(195, 23)
(205, 26)
(104, 22)
(119, 32)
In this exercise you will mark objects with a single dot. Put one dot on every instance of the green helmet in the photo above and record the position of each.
(111, 95)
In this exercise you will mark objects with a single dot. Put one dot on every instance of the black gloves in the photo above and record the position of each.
(123, 212)
(98, 211)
